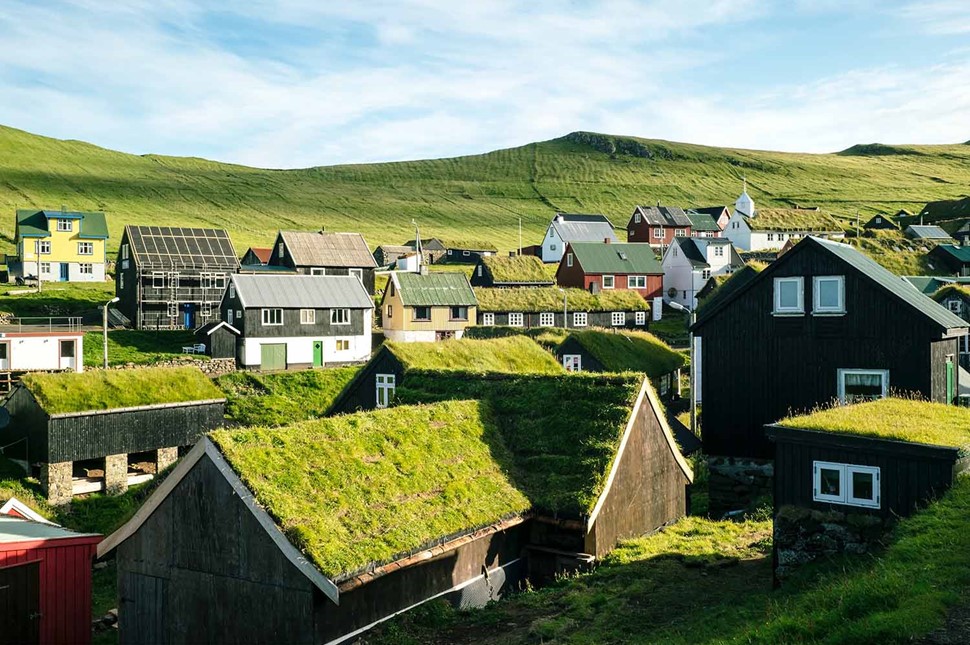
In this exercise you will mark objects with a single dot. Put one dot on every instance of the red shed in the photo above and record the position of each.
(45, 582)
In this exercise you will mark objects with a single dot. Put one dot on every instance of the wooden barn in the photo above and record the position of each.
(386, 255)
(101, 430)
(512, 271)
(45, 582)
(881, 221)
(325, 253)
(464, 500)
(376, 384)
(566, 308)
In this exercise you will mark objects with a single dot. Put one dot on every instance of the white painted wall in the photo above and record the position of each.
(738, 232)
(41, 352)
(74, 273)
(415, 336)
(552, 239)
(299, 349)
(682, 276)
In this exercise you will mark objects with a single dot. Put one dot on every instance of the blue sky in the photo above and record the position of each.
(296, 83)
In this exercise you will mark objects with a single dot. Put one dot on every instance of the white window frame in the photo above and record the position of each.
(65, 226)
(271, 317)
(229, 317)
(173, 310)
(466, 253)
(680, 232)
(85, 268)
(308, 316)
(358, 273)
(965, 344)
(719, 251)
(569, 259)
(658, 233)
(45, 267)
(547, 319)
(611, 279)
(516, 319)
(488, 319)
(817, 307)
(85, 248)
(705, 274)
(232, 290)
(580, 319)
(385, 384)
(281, 250)
(618, 318)
(955, 306)
(636, 217)
(44, 247)
(636, 282)
(124, 251)
(318, 271)
(340, 316)
(846, 495)
(239, 314)
(478, 270)
(843, 372)
(640, 318)
(800, 308)
(158, 280)
(572, 362)
(337, 345)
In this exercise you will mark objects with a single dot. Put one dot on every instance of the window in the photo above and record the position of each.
(343, 345)
(478, 270)
(640, 318)
(45, 267)
(675, 251)
(466, 253)
(280, 249)
(680, 232)
(569, 259)
(516, 320)
(706, 274)
(340, 316)
(65, 225)
(459, 313)
(618, 318)
(572, 362)
(229, 318)
(318, 271)
(232, 290)
(847, 484)
(719, 251)
(422, 313)
(771, 237)
(828, 293)
(788, 295)
(206, 280)
(158, 280)
(552, 247)
(86, 268)
(85, 248)
(385, 389)
(488, 319)
(272, 317)
(580, 319)
(239, 314)
(862, 385)
(308, 316)
(220, 281)
(636, 282)
(547, 319)
(636, 217)
(965, 344)
(607, 282)
(173, 309)
(124, 251)
(121, 281)
(44, 247)
(449, 251)
(390, 311)
(206, 310)
(956, 306)
(658, 233)
(357, 273)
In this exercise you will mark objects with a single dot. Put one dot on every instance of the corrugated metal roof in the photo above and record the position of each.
(664, 215)
(616, 258)
(702, 221)
(440, 288)
(960, 253)
(323, 249)
(33, 223)
(927, 232)
(583, 228)
(302, 291)
(14, 529)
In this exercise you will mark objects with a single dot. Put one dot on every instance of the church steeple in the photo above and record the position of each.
(744, 205)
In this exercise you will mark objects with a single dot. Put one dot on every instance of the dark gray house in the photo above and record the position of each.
(298, 321)
(171, 277)
(323, 253)
(219, 338)
(881, 222)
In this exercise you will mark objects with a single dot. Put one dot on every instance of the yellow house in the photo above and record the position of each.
(427, 307)
(60, 246)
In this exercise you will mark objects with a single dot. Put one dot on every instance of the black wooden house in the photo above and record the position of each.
(172, 278)
(822, 323)
(324, 253)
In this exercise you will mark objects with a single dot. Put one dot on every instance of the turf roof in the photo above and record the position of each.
(728, 285)
(630, 351)
(66, 392)
(551, 299)
(515, 354)
(952, 289)
(891, 418)
(792, 219)
(517, 269)
(363, 489)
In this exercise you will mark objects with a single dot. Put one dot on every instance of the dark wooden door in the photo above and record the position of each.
(142, 610)
(20, 603)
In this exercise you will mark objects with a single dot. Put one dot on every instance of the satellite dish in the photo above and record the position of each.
(4, 417)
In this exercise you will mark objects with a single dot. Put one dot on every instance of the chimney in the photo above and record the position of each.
(322, 230)
(606, 240)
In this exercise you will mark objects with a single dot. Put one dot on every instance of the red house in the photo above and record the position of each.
(45, 581)
(657, 225)
(596, 266)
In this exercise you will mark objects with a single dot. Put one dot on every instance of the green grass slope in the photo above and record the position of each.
(481, 196)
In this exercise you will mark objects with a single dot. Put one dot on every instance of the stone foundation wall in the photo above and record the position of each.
(802, 535)
(165, 458)
(738, 484)
(213, 368)
(56, 480)
(115, 474)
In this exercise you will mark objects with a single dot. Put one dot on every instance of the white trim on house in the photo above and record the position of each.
(781, 309)
(817, 307)
(843, 372)
(845, 495)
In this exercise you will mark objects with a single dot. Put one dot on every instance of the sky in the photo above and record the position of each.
(299, 83)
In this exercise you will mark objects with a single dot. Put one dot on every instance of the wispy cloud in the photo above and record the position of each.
(944, 17)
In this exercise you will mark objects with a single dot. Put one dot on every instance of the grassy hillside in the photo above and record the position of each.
(480, 196)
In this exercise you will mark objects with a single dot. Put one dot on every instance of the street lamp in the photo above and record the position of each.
(104, 331)
(693, 364)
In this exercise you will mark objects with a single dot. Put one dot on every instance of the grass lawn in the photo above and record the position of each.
(672, 328)
(140, 347)
(59, 299)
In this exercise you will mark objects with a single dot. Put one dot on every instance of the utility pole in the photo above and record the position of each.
(417, 244)
(519, 252)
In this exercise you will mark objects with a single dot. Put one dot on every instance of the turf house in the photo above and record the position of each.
(376, 384)
(881, 222)
(822, 323)
(103, 430)
(566, 308)
(424, 307)
(462, 499)
(324, 253)
(172, 278)
(759, 229)
(513, 271)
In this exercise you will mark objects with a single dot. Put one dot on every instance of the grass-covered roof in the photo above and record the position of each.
(952, 290)
(729, 284)
(109, 389)
(527, 269)
(630, 351)
(359, 489)
(893, 418)
(514, 354)
(551, 299)
(792, 219)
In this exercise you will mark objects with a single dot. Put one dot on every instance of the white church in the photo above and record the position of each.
(752, 229)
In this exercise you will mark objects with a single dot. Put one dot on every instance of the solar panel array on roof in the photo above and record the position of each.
(176, 247)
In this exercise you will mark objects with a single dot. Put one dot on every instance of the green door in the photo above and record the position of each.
(318, 353)
(950, 393)
(272, 357)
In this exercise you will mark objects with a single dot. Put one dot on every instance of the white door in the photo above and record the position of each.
(4, 356)
(572, 362)
(68, 351)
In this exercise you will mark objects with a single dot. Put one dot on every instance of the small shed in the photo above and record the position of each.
(387, 254)
(512, 271)
(219, 338)
(881, 221)
(45, 582)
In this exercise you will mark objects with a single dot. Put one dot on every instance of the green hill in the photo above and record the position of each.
(480, 196)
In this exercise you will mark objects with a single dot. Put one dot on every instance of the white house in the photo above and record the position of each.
(299, 321)
(24, 348)
(566, 228)
(691, 261)
(754, 229)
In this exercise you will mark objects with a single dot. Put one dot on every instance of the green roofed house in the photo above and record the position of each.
(424, 307)
(758, 229)
(322, 530)
(105, 429)
(60, 245)
(602, 266)
(376, 383)
(952, 257)
(704, 222)
(512, 271)
(955, 297)
(556, 307)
